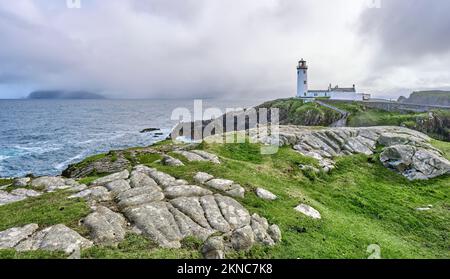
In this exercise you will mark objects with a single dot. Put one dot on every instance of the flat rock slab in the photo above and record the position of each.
(208, 156)
(118, 186)
(265, 194)
(202, 177)
(191, 157)
(115, 176)
(106, 227)
(49, 183)
(227, 186)
(55, 238)
(220, 184)
(308, 211)
(170, 161)
(157, 222)
(140, 179)
(11, 237)
(173, 192)
(7, 198)
(26, 193)
(21, 182)
(97, 193)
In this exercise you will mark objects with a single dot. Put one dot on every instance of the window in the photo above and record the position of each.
(304, 71)
(305, 94)
(304, 82)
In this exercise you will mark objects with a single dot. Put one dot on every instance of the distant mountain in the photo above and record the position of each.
(436, 97)
(57, 94)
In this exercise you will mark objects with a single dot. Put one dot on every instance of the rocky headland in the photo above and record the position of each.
(135, 192)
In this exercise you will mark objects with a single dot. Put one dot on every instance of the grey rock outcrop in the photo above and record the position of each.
(214, 248)
(112, 177)
(308, 211)
(50, 184)
(415, 163)
(106, 227)
(21, 182)
(407, 151)
(55, 238)
(202, 177)
(265, 194)
(170, 161)
(199, 156)
(11, 237)
(97, 193)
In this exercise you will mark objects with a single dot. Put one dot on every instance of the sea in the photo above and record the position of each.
(42, 137)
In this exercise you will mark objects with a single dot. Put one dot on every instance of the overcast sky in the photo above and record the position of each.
(222, 48)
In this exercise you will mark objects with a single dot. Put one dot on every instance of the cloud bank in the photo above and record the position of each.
(220, 48)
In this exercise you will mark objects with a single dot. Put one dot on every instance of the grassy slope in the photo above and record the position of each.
(361, 202)
(295, 111)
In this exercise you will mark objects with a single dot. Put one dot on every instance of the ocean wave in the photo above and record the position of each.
(4, 157)
(64, 164)
(37, 149)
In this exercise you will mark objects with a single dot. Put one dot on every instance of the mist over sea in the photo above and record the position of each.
(42, 137)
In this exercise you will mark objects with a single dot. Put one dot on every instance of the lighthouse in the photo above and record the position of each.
(302, 79)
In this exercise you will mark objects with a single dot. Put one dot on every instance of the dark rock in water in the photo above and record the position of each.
(148, 130)
(60, 94)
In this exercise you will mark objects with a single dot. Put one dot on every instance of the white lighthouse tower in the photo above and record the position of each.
(302, 79)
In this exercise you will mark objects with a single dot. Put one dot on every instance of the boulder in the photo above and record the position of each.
(106, 227)
(98, 193)
(55, 238)
(208, 156)
(274, 233)
(260, 228)
(242, 238)
(191, 157)
(26, 193)
(7, 198)
(234, 213)
(213, 214)
(112, 177)
(21, 182)
(214, 248)
(172, 162)
(220, 184)
(265, 194)
(139, 196)
(236, 191)
(156, 222)
(308, 211)
(49, 183)
(118, 186)
(140, 179)
(202, 177)
(415, 163)
(11, 237)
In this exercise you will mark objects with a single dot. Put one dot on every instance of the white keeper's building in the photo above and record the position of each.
(333, 93)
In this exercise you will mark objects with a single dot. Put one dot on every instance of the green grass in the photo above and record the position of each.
(46, 210)
(138, 247)
(296, 112)
(5, 182)
(358, 208)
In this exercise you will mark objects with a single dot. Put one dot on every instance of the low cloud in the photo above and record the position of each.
(220, 48)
